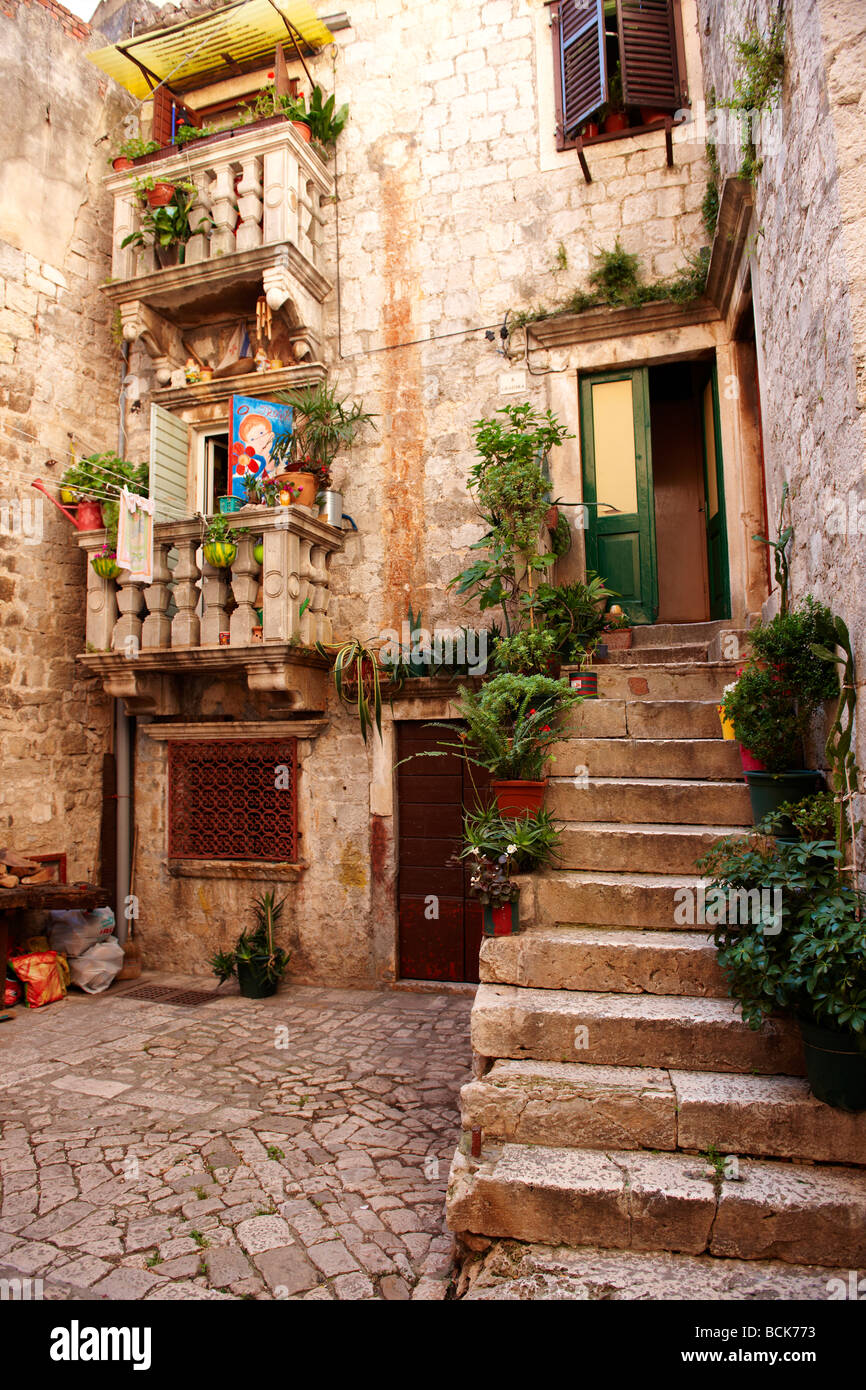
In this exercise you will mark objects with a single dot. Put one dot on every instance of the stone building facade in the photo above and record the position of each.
(450, 205)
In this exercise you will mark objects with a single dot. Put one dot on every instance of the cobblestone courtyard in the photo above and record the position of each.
(296, 1147)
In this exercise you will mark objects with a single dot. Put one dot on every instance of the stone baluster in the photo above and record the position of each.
(245, 586)
(223, 211)
(281, 585)
(320, 623)
(198, 246)
(306, 592)
(101, 610)
(249, 233)
(130, 601)
(215, 593)
(156, 629)
(185, 626)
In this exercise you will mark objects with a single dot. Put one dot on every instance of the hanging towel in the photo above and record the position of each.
(135, 536)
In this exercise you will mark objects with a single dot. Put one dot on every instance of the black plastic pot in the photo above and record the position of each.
(253, 978)
(770, 790)
(835, 1066)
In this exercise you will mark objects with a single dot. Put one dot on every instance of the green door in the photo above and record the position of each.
(617, 487)
(714, 485)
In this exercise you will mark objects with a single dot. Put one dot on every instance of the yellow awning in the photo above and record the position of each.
(186, 52)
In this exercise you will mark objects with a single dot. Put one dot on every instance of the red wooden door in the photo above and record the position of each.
(440, 925)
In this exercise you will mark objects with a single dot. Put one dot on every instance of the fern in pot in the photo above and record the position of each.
(256, 959)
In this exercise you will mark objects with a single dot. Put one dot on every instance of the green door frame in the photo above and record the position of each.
(602, 531)
(718, 567)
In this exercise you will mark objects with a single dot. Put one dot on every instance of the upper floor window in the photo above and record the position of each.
(617, 63)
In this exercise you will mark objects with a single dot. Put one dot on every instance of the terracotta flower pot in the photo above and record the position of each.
(307, 483)
(303, 130)
(617, 120)
(590, 129)
(619, 639)
(517, 798)
(160, 195)
(650, 116)
(121, 163)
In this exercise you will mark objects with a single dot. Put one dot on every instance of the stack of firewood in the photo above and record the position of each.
(15, 869)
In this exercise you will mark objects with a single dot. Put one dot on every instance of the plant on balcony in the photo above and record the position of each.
(104, 562)
(131, 150)
(188, 134)
(98, 478)
(168, 228)
(323, 424)
(256, 960)
(326, 122)
(357, 680)
(220, 542)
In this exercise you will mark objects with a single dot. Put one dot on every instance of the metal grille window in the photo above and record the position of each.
(233, 800)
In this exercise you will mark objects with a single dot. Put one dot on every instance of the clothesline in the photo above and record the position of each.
(35, 439)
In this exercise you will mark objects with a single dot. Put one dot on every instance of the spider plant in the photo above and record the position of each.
(356, 680)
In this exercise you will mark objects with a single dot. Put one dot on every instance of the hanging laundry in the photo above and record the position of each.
(135, 535)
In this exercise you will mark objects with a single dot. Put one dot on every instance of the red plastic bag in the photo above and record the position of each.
(41, 977)
(11, 994)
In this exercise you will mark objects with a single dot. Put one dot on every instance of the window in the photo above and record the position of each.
(213, 470)
(233, 799)
(613, 56)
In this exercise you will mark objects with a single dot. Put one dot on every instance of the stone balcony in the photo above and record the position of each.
(261, 194)
(141, 653)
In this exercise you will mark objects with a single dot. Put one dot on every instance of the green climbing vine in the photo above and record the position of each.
(761, 59)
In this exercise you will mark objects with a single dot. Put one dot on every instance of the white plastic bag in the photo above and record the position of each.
(74, 932)
(95, 969)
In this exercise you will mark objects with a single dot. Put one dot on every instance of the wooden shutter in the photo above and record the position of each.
(648, 53)
(169, 452)
(581, 83)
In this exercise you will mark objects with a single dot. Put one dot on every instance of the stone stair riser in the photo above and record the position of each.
(584, 846)
(698, 803)
(701, 760)
(643, 718)
(563, 960)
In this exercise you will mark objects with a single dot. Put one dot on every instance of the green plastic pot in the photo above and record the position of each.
(501, 919)
(259, 552)
(769, 790)
(220, 554)
(253, 978)
(835, 1066)
(105, 566)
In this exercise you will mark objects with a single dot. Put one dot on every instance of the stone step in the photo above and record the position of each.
(640, 718)
(629, 1030)
(514, 1270)
(566, 897)
(596, 1107)
(666, 681)
(633, 1200)
(672, 801)
(673, 634)
(643, 849)
(657, 654)
(690, 759)
(605, 961)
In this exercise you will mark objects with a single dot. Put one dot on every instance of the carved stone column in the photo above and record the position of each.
(156, 629)
(215, 592)
(249, 233)
(280, 181)
(245, 585)
(101, 610)
(126, 220)
(198, 246)
(282, 585)
(185, 627)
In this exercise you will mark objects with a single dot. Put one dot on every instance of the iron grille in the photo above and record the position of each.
(233, 800)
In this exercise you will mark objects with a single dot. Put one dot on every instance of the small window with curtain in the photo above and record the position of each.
(618, 66)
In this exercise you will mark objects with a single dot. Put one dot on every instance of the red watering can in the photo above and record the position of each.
(87, 515)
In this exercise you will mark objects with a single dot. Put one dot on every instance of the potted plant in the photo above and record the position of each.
(615, 118)
(574, 613)
(773, 701)
(530, 840)
(324, 121)
(617, 630)
(499, 897)
(357, 680)
(323, 424)
(229, 504)
(511, 723)
(585, 681)
(220, 542)
(96, 480)
(256, 960)
(130, 150)
(166, 225)
(528, 653)
(104, 562)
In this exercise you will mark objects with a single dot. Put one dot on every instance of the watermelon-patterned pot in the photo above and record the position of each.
(105, 566)
(220, 554)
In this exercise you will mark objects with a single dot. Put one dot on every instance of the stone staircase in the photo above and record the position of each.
(609, 1059)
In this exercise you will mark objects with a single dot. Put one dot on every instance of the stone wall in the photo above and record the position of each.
(59, 381)
(808, 266)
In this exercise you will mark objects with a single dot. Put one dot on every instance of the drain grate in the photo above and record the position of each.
(170, 994)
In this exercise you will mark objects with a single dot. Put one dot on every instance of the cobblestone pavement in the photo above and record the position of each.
(295, 1147)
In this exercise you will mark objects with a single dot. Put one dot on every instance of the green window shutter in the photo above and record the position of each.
(579, 66)
(169, 454)
(648, 53)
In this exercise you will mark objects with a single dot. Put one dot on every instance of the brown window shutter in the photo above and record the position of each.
(578, 60)
(648, 52)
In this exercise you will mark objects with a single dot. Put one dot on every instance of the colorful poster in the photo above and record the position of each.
(254, 428)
